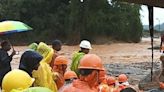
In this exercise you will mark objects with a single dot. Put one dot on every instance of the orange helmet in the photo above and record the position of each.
(60, 60)
(111, 80)
(122, 78)
(70, 75)
(91, 61)
(161, 85)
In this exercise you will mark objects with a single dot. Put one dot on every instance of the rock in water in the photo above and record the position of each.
(147, 84)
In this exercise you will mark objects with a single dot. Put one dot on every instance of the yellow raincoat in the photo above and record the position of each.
(44, 76)
(47, 52)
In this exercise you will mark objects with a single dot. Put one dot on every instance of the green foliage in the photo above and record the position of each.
(72, 20)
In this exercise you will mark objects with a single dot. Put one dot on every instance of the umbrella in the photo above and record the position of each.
(7, 27)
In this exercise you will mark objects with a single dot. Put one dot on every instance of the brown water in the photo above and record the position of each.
(133, 59)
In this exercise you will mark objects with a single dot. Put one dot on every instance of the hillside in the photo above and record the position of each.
(156, 27)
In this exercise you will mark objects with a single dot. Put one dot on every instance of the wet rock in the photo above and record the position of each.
(138, 73)
(147, 84)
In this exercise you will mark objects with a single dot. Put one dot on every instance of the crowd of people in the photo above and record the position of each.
(43, 69)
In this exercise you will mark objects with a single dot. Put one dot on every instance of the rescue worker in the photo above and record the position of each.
(5, 59)
(60, 66)
(102, 75)
(85, 46)
(56, 45)
(89, 68)
(103, 86)
(16, 79)
(111, 81)
(30, 61)
(69, 76)
(122, 81)
(44, 75)
(44, 50)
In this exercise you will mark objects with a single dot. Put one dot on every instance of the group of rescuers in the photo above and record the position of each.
(44, 69)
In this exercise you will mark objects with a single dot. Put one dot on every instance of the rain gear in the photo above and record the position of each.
(33, 89)
(29, 61)
(33, 46)
(59, 68)
(43, 75)
(75, 61)
(5, 66)
(38, 89)
(47, 52)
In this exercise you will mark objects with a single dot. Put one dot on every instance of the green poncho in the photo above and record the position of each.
(75, 61)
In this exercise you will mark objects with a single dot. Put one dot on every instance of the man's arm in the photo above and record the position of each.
(5, 58)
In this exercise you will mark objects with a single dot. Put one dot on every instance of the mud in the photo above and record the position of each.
(133, 59)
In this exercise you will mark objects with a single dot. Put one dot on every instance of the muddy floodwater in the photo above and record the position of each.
(133, 59)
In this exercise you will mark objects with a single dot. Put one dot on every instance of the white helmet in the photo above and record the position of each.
(85, 44)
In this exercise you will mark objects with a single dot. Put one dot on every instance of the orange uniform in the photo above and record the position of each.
(59, 79)
(103, 87)
(59, 68)
(89, 68)
(78, 86)
(53, 59)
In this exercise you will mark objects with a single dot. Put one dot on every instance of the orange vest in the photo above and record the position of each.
(78, 86)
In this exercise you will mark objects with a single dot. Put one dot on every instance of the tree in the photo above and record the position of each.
(73, 20)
